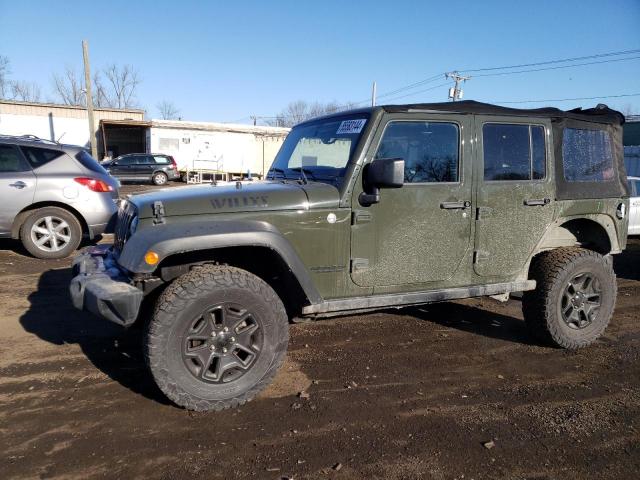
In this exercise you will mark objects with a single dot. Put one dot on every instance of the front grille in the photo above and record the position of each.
(126, 214)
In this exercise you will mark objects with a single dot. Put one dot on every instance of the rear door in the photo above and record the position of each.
(17, 185)
(145, 166)
(514, 193)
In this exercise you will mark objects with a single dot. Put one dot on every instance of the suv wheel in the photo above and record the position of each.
(51, 232)
(574, 298)
(217, 338)
(159, 178)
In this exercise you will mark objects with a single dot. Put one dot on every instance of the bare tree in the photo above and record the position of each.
(68, 87)
(168, 111)
(24, 91)
(5, 70)
(100, 97)
(299, 111)
(123, 82)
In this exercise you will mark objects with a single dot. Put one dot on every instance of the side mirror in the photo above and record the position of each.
(381, 173)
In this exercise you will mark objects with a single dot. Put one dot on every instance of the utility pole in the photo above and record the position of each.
(87, 87)
(373, 94)
(254, 118)
(455, 92)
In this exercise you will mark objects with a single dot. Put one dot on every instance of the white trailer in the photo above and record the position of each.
(207, 151)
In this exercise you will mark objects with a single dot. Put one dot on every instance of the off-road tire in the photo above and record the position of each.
(74, 230)
(159, 178)
(180, 303)
(553, 270)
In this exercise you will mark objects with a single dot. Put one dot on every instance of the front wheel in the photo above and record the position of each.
(574, 298)
(217, 338)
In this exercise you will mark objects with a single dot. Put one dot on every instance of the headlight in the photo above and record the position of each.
(133, 226)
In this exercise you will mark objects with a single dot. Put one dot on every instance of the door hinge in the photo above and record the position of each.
(483, 212)
(359, 264)
(480, 256)
(360, 217)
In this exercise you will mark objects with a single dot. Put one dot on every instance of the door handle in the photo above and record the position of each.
(19, 185)
(455, 205)
(538, 202)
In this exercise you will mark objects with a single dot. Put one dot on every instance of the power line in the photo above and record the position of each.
(548, 62)
(569, 99)
(421, 91)
(554, 68)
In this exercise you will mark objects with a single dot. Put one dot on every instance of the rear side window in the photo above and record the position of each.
(11, 160)
(161, 160)
(587, 155)
(513, 152)
(38, 157)
(89, 162)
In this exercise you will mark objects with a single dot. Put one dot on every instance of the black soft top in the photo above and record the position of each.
(600, 113)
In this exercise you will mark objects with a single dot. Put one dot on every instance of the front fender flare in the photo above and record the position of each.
(167, 240)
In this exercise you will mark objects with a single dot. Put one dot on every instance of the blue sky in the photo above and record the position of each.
(224, 61)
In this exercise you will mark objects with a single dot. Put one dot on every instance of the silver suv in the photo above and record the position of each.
(52, 194)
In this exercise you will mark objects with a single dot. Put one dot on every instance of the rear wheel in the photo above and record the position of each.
(51, 232)
(574, 298)
(159, 178)
(217, 338)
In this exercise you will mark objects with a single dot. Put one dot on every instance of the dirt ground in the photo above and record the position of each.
(402, 394)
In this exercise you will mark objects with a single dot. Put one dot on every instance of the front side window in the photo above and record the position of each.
(430, 150)
(513, 152)
(319, 150)
(587, 155)
(11, 160)
(38, 157)
(126, 161)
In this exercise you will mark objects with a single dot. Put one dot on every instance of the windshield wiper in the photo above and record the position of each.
(277, 170)
(303, 171)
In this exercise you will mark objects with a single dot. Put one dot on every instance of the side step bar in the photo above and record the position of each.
(374, 302)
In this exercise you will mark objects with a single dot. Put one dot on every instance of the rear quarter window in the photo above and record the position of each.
(38, 157)
(587, 155)
(161, 160)
(90, 163)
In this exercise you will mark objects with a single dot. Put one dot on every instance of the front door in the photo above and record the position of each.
(420, 233)
(17, 185)
(514, 194)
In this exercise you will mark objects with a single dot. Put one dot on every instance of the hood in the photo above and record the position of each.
(236, 198)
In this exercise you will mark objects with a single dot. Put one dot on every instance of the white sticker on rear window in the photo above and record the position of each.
(351, 126)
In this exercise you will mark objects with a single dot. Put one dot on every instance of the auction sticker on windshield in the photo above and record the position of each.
(351, 126)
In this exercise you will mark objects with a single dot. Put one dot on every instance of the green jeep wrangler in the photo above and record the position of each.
(373, 208)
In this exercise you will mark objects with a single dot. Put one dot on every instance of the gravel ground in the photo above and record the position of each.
(448, 391)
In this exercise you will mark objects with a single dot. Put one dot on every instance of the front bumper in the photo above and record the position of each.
(99, 286)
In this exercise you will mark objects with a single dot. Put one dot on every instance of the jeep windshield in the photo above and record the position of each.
(319, 150)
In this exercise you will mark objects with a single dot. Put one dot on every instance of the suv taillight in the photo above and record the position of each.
(173, 162)
(94, 184)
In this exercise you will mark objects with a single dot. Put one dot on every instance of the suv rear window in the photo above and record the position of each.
(587, 155)
(38, 157)
(89, 162)
(161, 160)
